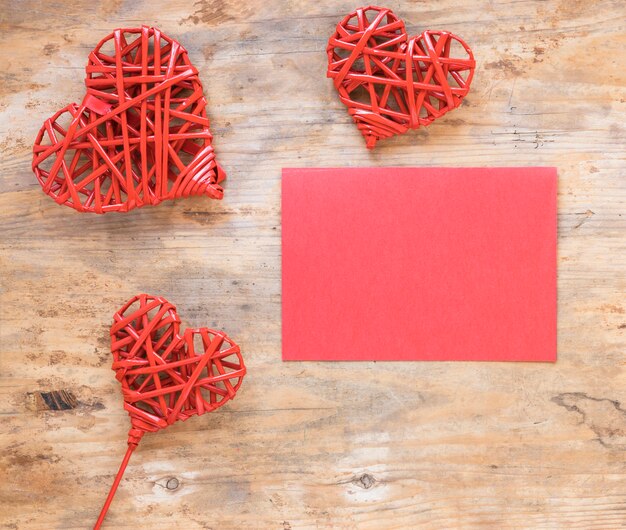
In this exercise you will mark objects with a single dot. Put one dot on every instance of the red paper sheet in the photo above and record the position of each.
(419, 264)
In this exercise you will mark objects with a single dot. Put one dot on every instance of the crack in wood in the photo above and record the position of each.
(55, 400)
(585, 217)
(58, 401)
(605, 417)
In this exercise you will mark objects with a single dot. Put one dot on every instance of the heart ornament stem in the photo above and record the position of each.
(391, 82)
(167, 376)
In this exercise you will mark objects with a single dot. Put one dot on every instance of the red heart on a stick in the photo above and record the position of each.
(141, 134)
(391, 82)
(165, 375)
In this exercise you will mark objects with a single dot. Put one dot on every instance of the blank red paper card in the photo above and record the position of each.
(400, 264)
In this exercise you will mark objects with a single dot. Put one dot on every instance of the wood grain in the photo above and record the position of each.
(312, 445)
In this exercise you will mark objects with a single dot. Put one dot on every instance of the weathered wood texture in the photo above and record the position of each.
(312, 445)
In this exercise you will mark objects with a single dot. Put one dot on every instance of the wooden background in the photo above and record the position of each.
(312, 445)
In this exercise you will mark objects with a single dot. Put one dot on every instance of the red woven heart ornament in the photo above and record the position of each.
(391, 82)
(141, 134)
(167, 376)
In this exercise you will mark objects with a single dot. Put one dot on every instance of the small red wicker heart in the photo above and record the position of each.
(167, 376)
(392, 83)
(141, 134)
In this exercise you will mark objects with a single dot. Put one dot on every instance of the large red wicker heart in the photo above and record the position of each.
(392, 83)
(165, 375)
(141, 134)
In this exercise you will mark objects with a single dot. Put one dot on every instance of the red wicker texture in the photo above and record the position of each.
(165, 375)
(141, 134)
(391, 82)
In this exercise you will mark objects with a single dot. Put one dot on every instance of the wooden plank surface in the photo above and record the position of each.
(312, 445)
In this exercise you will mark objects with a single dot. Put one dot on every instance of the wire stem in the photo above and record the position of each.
(116, 483)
